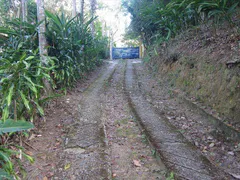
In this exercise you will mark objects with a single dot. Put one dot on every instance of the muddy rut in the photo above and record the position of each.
(116, 133)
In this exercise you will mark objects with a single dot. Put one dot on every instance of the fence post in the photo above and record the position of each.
(111, 49)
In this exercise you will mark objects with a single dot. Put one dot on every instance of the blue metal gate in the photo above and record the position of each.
(125, 53)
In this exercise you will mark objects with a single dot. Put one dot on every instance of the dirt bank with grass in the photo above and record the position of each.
(204, 66)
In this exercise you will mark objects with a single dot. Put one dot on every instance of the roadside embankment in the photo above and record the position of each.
(206, 69)
(178, 154)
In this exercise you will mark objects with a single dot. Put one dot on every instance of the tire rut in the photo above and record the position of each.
(85, 154)
(131, 156)
(182, 157)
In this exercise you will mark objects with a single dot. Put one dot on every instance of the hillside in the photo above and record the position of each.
(194, 48)
(205, 67)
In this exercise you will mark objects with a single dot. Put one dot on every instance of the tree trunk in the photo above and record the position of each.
(74, 8)
(24, 10)
(42, 40)
(15, 10)
(82, 10)
(93, 11)
(41, 31)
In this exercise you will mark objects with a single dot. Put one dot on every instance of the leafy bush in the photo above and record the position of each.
(21, 71)
(71, 42)
(72, 50)
(21, 85)
(9, 153)
(158, 20)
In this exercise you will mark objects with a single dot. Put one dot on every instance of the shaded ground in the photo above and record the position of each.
(205, 65)
(102, 132)
(178, 154)
(46, 144)
(91, 134)
(131, 156)
(196, 126)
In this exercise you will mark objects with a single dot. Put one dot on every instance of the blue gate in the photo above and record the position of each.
(125, 53)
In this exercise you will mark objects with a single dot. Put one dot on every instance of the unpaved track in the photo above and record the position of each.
(131, 156)
(85, 154)
(104, 140)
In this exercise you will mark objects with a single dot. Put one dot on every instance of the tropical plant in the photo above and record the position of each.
(21, 71)
(21, 74)
(11, 126)
(10, 153)
(25, 67)
(11, 9)
(219, 9)
(76, 52)
(153, 20)
(21, 84)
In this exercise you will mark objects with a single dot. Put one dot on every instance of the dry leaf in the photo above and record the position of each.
(137, 163)
(32, 137)
(211, 145)
(57, 144)
(204, 149)
(45, 178)
(50, 174)
(67, 166)
(29, 153)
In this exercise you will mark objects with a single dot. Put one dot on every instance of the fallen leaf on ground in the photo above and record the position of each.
(57, 144)
(45, 178)
(29, 153)
(204, 149)
(67, 166)
(32, 137)
(137, 163)
(211, 145)
(196, 143)
(50, 174)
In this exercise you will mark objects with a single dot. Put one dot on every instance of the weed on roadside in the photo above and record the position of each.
(170, 176)
(144, 138)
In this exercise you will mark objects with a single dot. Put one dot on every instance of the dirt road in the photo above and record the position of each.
(104, 141)
(114, 131)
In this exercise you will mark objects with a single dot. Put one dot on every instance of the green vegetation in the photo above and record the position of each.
(158, 20)
(75, 50)
(10, 155)
(171, 176)
(72, 51)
